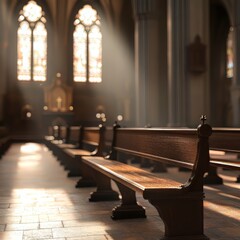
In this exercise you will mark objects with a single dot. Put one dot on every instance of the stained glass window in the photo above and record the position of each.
(80, 50)
(32, 44)
(39, 52)
(230, 54)
(87, 46)
(24, 51)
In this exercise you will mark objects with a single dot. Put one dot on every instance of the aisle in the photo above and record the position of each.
(38, 201)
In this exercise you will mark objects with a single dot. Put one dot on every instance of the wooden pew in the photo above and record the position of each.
(50, 136)
(5, 140)
(92, 143)
(224, 153)
(69, 137)
(65, 134)
(180, 205)
(53, 136)
(53, 132)
(62, 135)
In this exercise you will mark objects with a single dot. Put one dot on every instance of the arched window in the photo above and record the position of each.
(31, 44)
(87, 46)
(230, 54)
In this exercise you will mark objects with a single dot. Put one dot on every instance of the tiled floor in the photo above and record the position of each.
(38, 201)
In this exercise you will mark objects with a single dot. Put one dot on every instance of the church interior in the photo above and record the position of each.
(139, 64)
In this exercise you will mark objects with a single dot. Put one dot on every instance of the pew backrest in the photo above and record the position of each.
(75, 135)
(225, 139)
(64, 133)
(179, 147)
(95, 138)
(225, 148)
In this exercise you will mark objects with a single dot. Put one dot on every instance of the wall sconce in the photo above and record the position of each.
(28, 114)
(119, 118)
(101, 117)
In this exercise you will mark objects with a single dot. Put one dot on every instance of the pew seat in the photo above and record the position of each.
(179, 204)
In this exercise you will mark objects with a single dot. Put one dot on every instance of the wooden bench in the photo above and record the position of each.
(53, 133)
(64, 134)
(5, 140)
(92, 143)
(59, 137)
(180, 205)
(69, 137)
(53, 137)
(224, 153)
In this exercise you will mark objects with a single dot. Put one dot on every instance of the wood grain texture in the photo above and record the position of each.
(180, 205)
(176, 147)
(134, 177)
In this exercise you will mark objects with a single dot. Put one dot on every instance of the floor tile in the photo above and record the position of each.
(38, 201)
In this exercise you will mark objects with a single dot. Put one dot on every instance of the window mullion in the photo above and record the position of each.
(32, 57)
(87, 56)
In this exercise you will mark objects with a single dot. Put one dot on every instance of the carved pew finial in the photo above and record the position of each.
(203, 119)
(202, 163)
(204, 130)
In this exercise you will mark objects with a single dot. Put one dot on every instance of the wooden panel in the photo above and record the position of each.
(63, 132)
(91, 135)
(133, 177)
(178, 146)
(108, 136)
(74, 134)
(225, 145)
(77, 152)
(225, 139)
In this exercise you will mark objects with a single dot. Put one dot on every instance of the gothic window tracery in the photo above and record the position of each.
(230, 54)
(31, 43)
(87, 46)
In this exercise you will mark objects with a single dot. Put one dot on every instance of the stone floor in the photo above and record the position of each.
(38, 201)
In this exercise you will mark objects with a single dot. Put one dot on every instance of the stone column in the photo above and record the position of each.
(61, 33)
(235, 90)
(3, 52)
(176, 62)
(146, 62)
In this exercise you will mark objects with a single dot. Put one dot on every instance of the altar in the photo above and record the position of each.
(57, 109)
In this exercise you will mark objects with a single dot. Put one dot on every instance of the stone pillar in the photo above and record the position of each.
(235, 90)
(61, 33)
(146, 62)
(198, 85)
(3, 52)
(176, 62)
